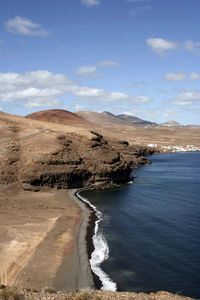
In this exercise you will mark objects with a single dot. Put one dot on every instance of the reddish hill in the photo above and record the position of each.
(59, 116)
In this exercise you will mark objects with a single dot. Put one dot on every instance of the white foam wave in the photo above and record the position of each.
(101, 251)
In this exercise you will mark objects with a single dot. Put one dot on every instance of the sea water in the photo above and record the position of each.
(147, 234)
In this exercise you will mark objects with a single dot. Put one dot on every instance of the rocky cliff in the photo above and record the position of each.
(36, 153)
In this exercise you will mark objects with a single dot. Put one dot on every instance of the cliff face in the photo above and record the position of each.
(78, 162)
(35, 153)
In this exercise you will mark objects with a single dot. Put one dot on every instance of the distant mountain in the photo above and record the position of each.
(59, 116)
(131, 120)
(171, 123)
(107, 118)
(104, 118)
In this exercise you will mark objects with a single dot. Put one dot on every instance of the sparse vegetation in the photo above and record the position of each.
(8, 293)
(49, 290)
(83, 296)
(87, 296)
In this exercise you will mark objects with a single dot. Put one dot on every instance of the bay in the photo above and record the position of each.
(152, 226)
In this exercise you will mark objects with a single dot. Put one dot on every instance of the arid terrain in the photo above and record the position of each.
(110, 127)
(42, 225)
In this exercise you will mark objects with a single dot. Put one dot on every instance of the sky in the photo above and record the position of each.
(138, 57)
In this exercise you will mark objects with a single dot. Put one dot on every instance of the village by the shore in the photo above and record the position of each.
(177, 148)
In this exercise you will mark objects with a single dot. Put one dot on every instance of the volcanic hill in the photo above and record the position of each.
(59, 116)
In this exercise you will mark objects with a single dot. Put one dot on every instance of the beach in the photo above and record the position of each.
(43, 240)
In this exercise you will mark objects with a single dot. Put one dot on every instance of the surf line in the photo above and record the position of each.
(101, 251)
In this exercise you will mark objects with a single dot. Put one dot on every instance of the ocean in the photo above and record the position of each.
(147, 233)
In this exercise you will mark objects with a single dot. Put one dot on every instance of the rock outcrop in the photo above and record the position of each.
(35, 154)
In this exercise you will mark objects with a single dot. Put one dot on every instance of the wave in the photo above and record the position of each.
(101, 251)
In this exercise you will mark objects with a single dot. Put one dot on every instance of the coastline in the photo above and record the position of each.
(98, 250)
(85, 236)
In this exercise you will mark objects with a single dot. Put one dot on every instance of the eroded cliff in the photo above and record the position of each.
(35, 153)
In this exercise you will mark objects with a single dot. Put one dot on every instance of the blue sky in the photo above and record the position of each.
(140, 57)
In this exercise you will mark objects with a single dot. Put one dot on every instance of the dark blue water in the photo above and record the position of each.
(152, 226)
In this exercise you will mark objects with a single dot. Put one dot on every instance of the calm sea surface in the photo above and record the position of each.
(152, 226)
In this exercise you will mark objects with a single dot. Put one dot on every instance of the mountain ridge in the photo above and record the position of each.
(106, 117)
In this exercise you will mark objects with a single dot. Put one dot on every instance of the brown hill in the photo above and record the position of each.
(103, 118)
(107, 118)
(59, 116)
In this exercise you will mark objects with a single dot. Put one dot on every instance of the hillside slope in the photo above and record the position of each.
(39, 153)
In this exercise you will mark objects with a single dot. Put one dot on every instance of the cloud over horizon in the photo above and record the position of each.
(43, 89)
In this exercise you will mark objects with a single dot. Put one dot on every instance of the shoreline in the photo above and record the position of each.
(97, 246)
(91, 219)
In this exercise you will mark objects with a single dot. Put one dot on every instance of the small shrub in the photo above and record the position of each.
(83, 296)
(49, 290)
(61, 137)
(10, 294)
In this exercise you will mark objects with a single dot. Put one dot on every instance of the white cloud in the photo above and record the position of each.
(78, 107)
(160, 45)
(34, 89)
(24, 26)
(142, 99)
(43, 89)
(107, 63)
(191, 46)
(90, 3)
(91, 70)
(86, 70)
(179, 76)
(194, 76)
(88, 92)
(187, 97)
(101, 94)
